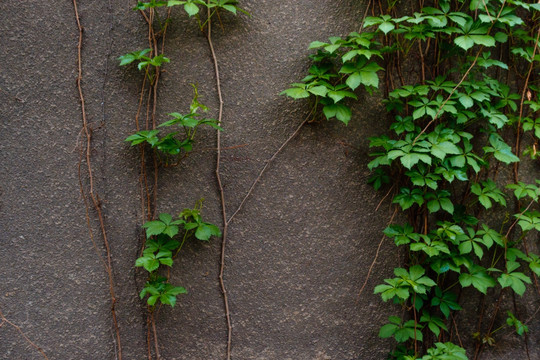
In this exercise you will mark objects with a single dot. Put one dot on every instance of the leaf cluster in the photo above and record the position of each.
(162, 246)
(176, 145)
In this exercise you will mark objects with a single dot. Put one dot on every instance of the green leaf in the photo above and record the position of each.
(175, 2)
(154, 228)
(485, 40)
(465, 42)
(515, 280)
(318, 90)
(518, 325)
(166, 218)
(295, 93)
(131, 57)
(230, 8)
(477, 278)
(354, 80)
(534, 265)
(444, 148)
(203, 232)
(150, 264)
(152, 300)
(339, 95)
(342, 112)
(411, 159)
(386, 27)
(500, 150)
(191, 9)
(388, 330)
(466, 101)
(166, 261)
(317, 44)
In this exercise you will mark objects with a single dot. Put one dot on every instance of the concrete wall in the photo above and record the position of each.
(298, 251)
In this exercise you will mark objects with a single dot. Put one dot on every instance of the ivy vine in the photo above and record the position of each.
(471, 81)
(165, 234)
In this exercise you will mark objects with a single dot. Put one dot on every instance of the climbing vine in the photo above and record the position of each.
(166, 235)
(464, 111)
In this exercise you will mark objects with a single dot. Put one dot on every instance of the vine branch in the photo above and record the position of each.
(94, 197)
(220, 186)
(6, 321)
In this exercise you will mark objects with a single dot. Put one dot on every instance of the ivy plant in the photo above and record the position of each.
(446, 142)
(166, 237)
(175, 146)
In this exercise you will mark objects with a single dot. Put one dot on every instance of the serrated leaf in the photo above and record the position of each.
(166, 261)
(387, 330)
(485, 40)
(465, 42)
(342, 112)
(386, 27)
(316, 44)
(166, 218)
(155, 227)
(191, 9)
(203, 232)
(354, 80)
(152, 300)
(478, 278)
(151, 264)
(295, 93)
(320, 90)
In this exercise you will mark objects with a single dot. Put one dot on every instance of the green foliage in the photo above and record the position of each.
(401, 331)
(162, 241)
(192, 7)
(445, 351)
(160, 290)
(340, 67)
(172, 147)
(447, 141)
(520, 328)
(142, 60)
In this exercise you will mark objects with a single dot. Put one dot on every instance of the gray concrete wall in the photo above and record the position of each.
(298, 251)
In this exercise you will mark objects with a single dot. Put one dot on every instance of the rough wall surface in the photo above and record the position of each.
(298, 251)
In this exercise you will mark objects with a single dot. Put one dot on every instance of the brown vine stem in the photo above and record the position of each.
(6, 321)
(519, 217)
(384, 197)
(156, 345)
(523, 94)
(220, 186)
(494, 317)
(457, 332)
(94, 197)
(376, 255)
(266, 166)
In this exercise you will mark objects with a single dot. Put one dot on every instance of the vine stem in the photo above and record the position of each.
(293, 135)
(220, 186)
(518, 218)
(376, 255)
(523, 93)
(6, 321)
(154, 330)
(94, 197)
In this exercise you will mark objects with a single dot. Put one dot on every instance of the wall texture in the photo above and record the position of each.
(298, 251)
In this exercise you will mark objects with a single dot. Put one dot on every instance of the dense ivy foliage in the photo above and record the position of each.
(458, 116)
